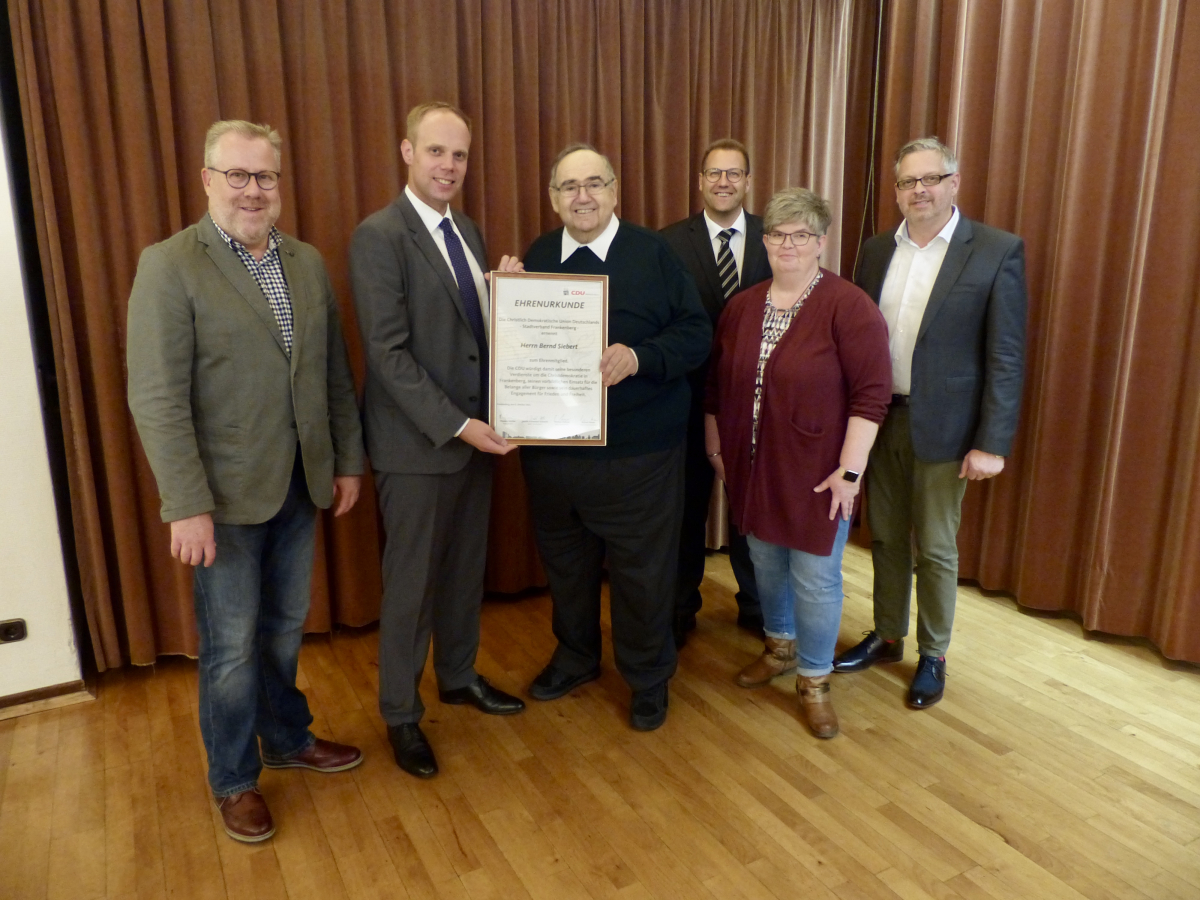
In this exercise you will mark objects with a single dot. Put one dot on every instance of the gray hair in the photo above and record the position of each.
(575, 148)
(797, 205)
(242, 128)
(949, 160)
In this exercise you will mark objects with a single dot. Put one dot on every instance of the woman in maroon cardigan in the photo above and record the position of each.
(799, 381)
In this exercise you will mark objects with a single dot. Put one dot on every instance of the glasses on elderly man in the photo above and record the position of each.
(907, 184)
(714, 175)
(572, 188)
(239, 178)
(798, 238)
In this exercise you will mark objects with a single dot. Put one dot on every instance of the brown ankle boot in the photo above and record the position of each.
(778, 657)
(816, 706)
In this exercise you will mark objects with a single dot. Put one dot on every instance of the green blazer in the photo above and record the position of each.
(218, 404)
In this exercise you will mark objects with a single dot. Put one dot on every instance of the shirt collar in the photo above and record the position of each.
(274, 239)
(714, 229)
(599, 245)
(430, 216)
(945, 234)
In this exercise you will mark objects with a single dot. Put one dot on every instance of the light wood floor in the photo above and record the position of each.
(1057, 766)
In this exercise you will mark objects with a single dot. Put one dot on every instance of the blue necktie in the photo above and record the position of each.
(470, 299)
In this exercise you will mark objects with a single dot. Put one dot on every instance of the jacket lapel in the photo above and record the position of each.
(426, 244)
(754, 254)
(952, 265)
(298, 291)
(235, 270)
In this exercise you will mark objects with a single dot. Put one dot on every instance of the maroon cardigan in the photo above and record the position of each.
(832, 363)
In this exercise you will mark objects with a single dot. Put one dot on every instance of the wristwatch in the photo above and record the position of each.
(847, 475)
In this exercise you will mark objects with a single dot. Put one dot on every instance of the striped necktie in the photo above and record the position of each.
(726, 267)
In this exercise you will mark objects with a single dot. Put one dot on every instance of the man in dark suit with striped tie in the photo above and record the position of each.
(722, 247)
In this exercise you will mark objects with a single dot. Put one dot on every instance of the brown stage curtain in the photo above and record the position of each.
(117, 94)
(1075, 124)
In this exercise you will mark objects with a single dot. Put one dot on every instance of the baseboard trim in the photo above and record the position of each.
(44, 698)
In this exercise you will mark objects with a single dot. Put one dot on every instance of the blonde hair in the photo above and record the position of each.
(245, 129)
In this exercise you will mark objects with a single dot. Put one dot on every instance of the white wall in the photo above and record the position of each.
(33, 585)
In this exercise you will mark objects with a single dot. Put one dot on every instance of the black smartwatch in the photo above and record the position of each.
(850, 476)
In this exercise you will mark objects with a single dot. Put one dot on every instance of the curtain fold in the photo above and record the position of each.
(1075, 127)
(117, 95)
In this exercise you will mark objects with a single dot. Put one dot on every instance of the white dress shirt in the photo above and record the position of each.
(737, 243)
(599, 245)
(433, 221)
(905, 294)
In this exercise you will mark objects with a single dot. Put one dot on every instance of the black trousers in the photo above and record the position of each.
(697, 492)
(628, 509)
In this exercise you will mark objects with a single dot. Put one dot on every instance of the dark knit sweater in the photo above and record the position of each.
(653, 308)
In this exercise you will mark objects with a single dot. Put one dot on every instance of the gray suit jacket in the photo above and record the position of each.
(422, 359)
(218, 404)
(969, 358)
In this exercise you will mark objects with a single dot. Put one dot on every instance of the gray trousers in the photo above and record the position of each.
(433, 565)
(909, 499)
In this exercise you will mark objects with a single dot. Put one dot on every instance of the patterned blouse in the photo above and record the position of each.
(776, 322)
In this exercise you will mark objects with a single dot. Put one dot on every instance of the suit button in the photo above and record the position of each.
(472, 399)
(473, 358)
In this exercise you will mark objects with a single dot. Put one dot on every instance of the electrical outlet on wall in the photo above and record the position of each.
(13, 630)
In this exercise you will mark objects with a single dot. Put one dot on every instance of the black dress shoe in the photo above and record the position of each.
(870, 650)
(484, 697)
(553, 682)
(649, 708)
(413, 753)
(929, 682)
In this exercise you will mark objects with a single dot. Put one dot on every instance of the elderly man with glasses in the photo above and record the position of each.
(244, 402)
(953, 293)
(622, 501)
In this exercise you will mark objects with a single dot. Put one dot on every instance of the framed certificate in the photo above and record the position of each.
(548, 333)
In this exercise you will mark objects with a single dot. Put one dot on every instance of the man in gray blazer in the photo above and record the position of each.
(953, 294)
(243, 398)
(417, 267)
(723, 249)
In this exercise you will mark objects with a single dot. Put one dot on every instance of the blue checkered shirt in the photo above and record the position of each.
(269, 275)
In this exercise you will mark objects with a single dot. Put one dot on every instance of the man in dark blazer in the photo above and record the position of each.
(244, 402)
(722, 247)
(416, 267)
(953, 294)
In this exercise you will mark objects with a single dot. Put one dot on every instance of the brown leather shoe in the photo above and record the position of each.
(322, 756)
(778, 657)
(816, 706)
(246, 816)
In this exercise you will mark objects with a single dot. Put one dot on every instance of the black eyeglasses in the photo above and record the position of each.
(593, 186)
(712, 176)
(239, 178)
(799, 238)
(907, 184)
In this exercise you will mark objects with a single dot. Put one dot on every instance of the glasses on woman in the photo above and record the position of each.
(239, 178)
(798, 238)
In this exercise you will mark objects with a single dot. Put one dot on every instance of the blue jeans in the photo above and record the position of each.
(250, 610)
(801, 597)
